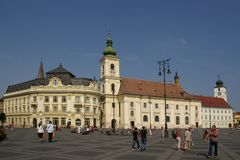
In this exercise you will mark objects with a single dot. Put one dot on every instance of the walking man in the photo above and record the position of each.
(135, 134)
(50, 129)
(213, 136)
(143, 139)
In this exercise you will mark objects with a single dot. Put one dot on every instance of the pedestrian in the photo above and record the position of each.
(174, 133)
(188, 139)
(191, 138)
(78, 128)
(162, 132)
(40, 132)
(205, 135)
(143, 134)
(178, 138)
(213, 141)
(50, 130)
(12, 126)
(135, 134)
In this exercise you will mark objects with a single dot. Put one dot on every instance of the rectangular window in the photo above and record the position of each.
(34, 99)
(47, 120)
(94, 110)
(55, 99)
(177, 107)
(64, 99)
(64, 108)
(186, 107)
(131, 104)
(87, 109)
(196, 108)
(145, 105)
(156, 105)
(63, 121)
(46, 99)
(46, 108)
(55, 108)
(87, 100)
(167, 106)
(77, 99)
(94, 100)
(78, 110)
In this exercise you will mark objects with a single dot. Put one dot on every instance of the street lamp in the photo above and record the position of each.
(113, 106)
(210, 117)
(162, 68)
(150, 107)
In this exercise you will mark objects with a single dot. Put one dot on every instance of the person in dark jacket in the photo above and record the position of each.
(143, 134)
(135, 134)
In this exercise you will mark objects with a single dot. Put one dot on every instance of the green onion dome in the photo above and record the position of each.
(109, 50)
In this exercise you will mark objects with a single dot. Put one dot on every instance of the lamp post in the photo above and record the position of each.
(150, 113)
(162, 68)
(210, 117)
(113, 106)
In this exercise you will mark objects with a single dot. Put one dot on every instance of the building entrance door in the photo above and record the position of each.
(132, 124)
(35, 122)
(196, 124)
(55, 121)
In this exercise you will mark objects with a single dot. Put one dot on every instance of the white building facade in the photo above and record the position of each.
(61, 98)
(111, 102)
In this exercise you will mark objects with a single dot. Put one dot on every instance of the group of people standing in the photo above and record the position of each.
(139, 135)
(50, 130)
(211, 134)
(187, 141)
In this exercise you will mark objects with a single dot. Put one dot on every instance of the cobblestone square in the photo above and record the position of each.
(23, 144)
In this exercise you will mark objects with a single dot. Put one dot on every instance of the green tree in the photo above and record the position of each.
(2, 117)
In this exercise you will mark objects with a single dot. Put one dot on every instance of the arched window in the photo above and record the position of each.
(132, 113)
(145, 118)
(113, 88)
(112, 67)
(168, 119)
(187, 120)
(156, 118)
(177, 120)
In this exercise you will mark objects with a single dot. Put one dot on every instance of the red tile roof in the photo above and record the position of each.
(151, 88)
(236, 113)
(213, 102)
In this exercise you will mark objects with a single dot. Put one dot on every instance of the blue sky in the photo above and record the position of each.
(200, 37)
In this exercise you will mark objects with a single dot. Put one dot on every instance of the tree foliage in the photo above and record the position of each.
(2, 117)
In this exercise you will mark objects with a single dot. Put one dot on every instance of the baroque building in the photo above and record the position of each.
(59, 97)
(113, 101)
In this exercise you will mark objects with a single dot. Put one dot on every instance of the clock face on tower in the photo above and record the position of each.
(219, 93)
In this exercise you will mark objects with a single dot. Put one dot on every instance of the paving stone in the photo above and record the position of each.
(137, 157)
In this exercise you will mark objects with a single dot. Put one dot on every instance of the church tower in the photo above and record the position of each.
(41, 72)
(220, 91)
(110, 84)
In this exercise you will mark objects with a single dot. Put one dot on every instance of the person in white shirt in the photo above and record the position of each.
(50, 129)
(78, 128)
(40, 132)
